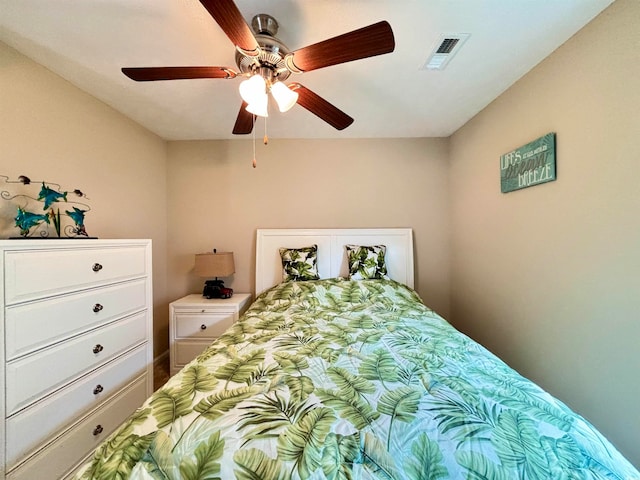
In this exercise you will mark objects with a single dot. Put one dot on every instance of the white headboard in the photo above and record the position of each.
(332, 259)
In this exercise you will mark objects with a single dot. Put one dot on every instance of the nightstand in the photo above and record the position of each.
(196, 321)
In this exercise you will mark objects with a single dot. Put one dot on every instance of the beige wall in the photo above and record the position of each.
(217, 200)
(549, 277)
(51, 130)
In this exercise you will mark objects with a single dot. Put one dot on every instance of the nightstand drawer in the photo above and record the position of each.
(207, 325)
(195, 322)
(187, 351)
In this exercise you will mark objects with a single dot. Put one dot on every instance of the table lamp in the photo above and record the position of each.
(214, 264)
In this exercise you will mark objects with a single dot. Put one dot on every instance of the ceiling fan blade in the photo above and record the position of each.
(321, 108)
(244, 121)
(376, 39)
(148, 74)
(232, 23)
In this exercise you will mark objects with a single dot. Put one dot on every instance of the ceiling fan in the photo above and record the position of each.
(267, 62)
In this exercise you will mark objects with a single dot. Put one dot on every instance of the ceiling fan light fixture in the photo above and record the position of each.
(284, 97)
(253, 89)
(259, 106)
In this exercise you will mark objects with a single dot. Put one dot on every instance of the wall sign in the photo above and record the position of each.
(529, 165)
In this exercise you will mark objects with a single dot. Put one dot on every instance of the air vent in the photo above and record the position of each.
(447, 47)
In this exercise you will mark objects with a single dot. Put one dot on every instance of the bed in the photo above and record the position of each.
(339, 378)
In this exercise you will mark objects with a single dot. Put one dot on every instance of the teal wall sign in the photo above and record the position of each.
(529, 165)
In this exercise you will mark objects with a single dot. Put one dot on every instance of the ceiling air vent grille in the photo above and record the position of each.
(447, 47)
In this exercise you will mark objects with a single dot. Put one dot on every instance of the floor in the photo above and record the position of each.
(161, 373)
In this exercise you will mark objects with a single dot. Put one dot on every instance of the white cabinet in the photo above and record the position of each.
(196, 321)
(75, 346)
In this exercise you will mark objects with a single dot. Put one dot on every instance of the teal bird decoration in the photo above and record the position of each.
(50, 196)
(25, 220)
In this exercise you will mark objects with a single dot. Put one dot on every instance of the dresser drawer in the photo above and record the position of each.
(203, 325)
(63, 454)
(31, 427)
(33, 325)
(52, 367)
(31, 274)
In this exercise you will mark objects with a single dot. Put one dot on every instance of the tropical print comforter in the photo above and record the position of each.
(337, 379)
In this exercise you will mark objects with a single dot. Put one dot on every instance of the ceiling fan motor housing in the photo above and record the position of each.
(270, 61)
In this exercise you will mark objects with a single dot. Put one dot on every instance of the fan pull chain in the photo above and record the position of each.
(253, 133)
(265, 139)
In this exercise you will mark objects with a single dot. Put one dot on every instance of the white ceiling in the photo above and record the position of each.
(88, 41)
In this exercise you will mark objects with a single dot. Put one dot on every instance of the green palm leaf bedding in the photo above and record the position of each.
(337, 379)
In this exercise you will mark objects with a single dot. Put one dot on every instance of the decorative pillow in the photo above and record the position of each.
(299, 264)
(366, 262)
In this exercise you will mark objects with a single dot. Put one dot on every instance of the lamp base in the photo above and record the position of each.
(216, 289)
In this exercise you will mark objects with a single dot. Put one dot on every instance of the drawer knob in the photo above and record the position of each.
(96, 267)
(98, 430)
(99, 388)
(203, 327)
(97, 307)
(98, 348)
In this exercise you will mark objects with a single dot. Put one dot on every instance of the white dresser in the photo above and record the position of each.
(76, 348)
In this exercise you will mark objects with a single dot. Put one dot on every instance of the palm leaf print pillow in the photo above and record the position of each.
(299, 264)
(366, 262)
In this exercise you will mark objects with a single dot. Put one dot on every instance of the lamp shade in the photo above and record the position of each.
(285, 98)
(259, 106)
(214, 264)
(253, 89)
